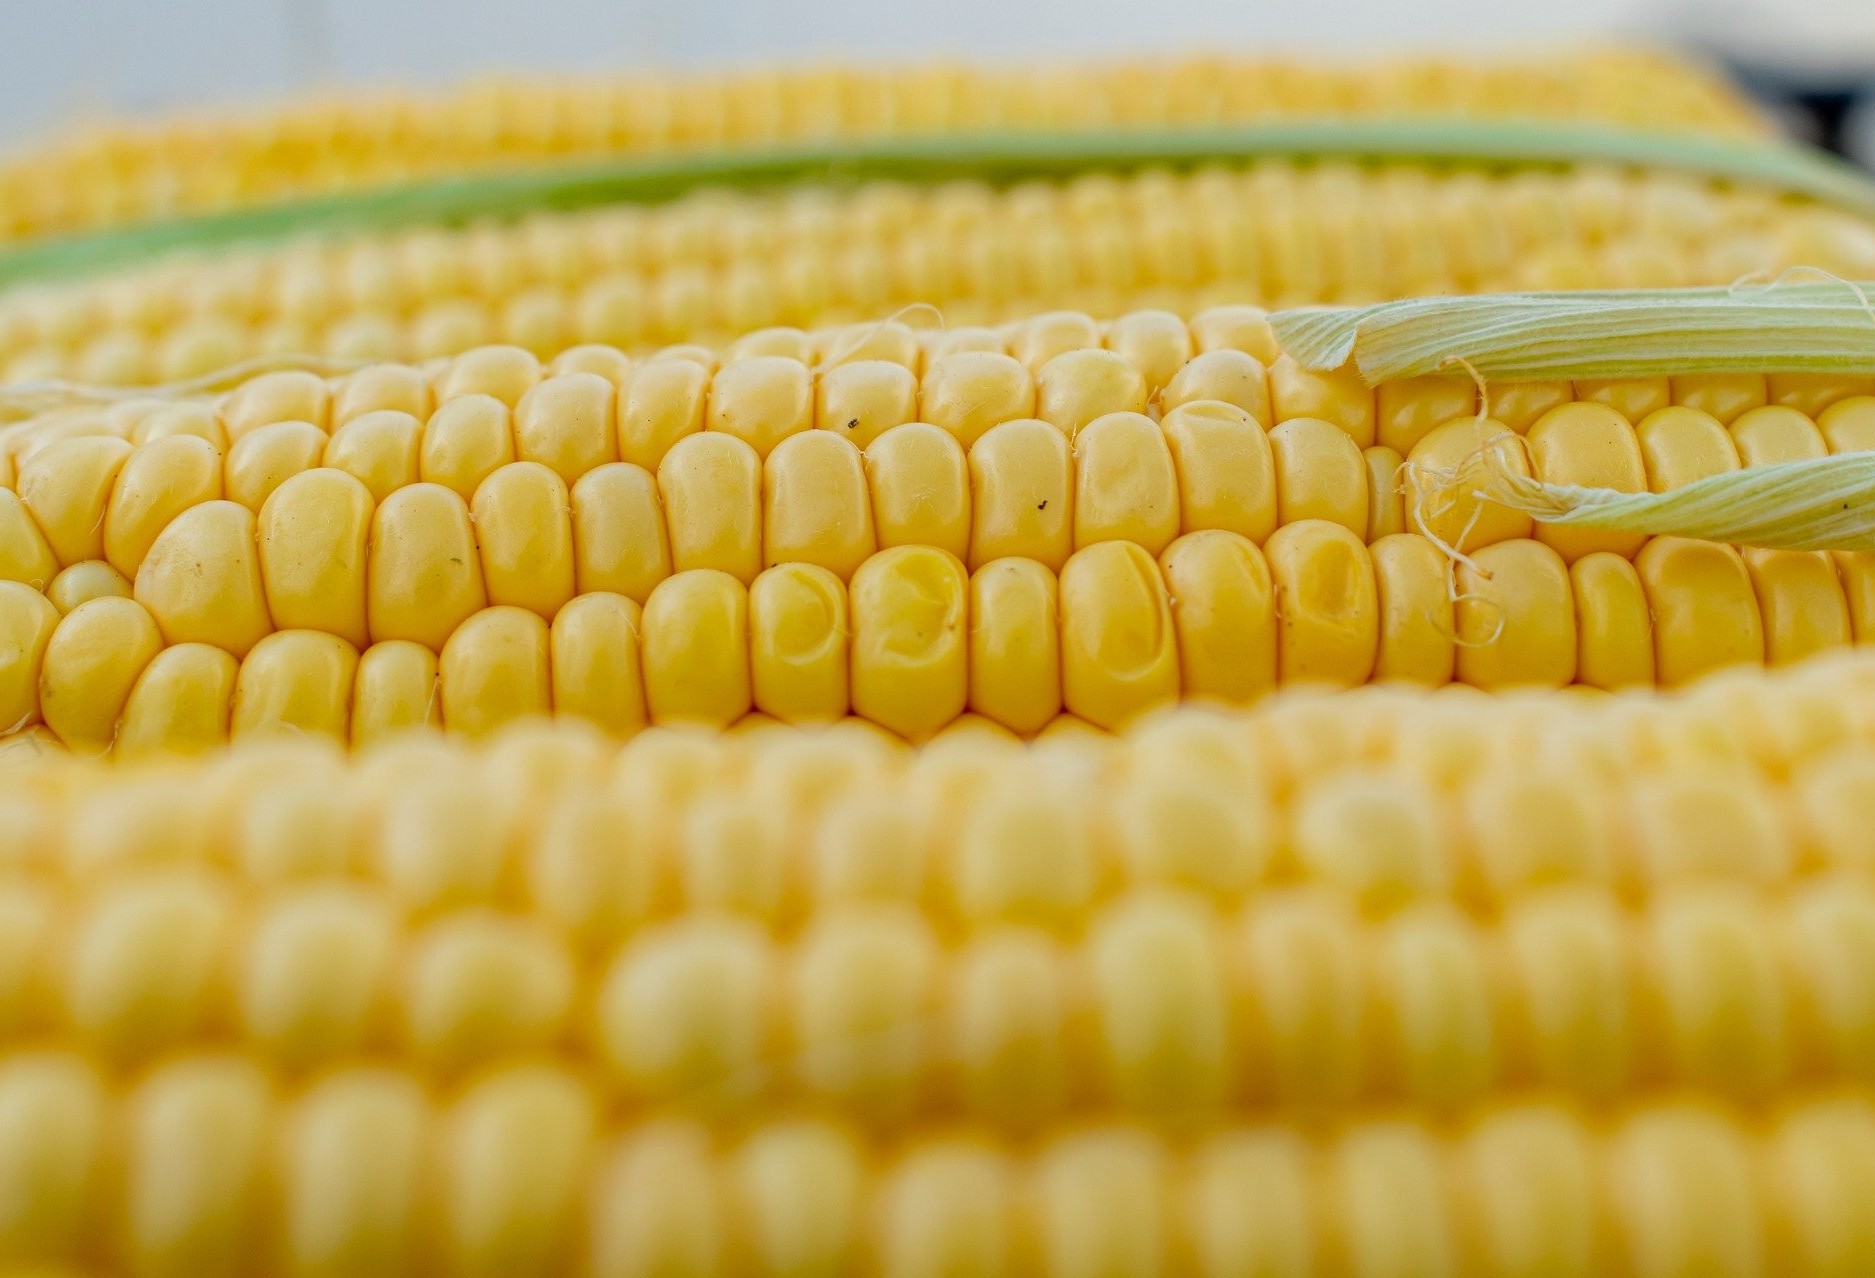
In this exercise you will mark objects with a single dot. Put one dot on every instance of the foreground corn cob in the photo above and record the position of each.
(719, 1004)
(984, 520)
(722, 263)
(128, 173)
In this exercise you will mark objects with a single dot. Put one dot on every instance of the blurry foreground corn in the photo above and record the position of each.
(1059, 516)
(126, 173)
(721, 262)
(1470, 985)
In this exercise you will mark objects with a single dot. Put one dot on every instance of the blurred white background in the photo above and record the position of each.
(63, 60)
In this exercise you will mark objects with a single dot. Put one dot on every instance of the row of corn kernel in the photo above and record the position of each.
(122, 174)
(1386, 798)
(1310, 234)
(1162, 1006)
(524, 1172)
(913, 641)
(1062, 367)
(996, 274)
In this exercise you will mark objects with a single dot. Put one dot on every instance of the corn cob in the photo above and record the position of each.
(466, 998)
(129, 173)
(1004, 530)
(721, 263)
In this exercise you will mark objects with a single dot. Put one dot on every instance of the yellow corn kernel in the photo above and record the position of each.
(1447, 510)
(494, 670)
(798, 628)
(1320, 474)
(24, 555)
(1635, 398)
(1386, 505)
(504, 372)
(1410, 408)
(568, 424)
(910, 639)
(1818, 1181)
(1326, 603)
(1704, 610)
(1723, 396)
(382, 450)
(315, 539)
(1412, 593)
(465, 441)
(296, 681)
(595, 664)
(1594, 446)
(1801, 603)
(1236, 328)
(1812, 394)
(379, 387)
(1856, 570)
(1516, 618)
(1119, 651)
(603, 361)
(1849, 425)
(524, 530)
(1374, 835)
(1614, 628)
(861, 399)
(182, 702)
(1302, 982)
(762, 401)
(1221, 376)
(790, 343)
(1680, 446)
(159, 481)
(865, 974)
(970, 392)
(1768, 435)
(1157, 343)
(920, 482)
(90, 665)
(1040, 338)
(1226, 470)
(202, 579)
(663, 403)
(425, 577)
(695, 648)
(290, 395)
(1015, 649)
(619, 540)
(1708, 1223)
(185, 418)
(1077, 386)
(261, 460)
(711, 486)
(1022, 494)
(1224, 615)
(815, 506)
(1339, 398)
(395, 691)
(27, 621)
(1125, 486)
(1520, 405)
(67, 487)
(84, 581)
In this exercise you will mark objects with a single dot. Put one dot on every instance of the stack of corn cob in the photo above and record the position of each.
(904, 724)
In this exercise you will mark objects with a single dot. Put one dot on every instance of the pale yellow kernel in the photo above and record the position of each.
(464, 442)
(969, 392)
(494, 670)
(159, 481)
(695, 649)
(864, 986)
(314, 537)
(382, 450)
(920, 482)
(688, 1011)
(316, 975)
(146, 965)
(261, 460)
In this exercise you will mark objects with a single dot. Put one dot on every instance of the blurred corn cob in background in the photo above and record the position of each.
(720, 263)
(121, 174)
